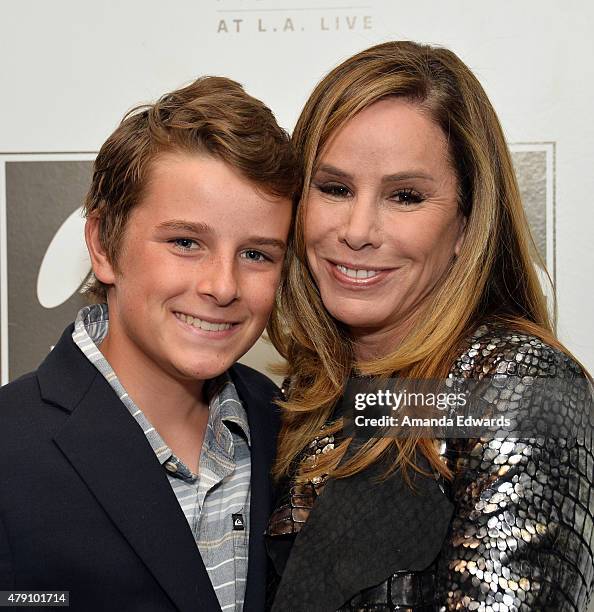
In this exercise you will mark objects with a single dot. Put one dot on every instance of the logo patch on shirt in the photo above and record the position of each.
(238, 524)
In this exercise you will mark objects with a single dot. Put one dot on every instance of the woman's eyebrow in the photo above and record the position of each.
(388, 178)
(332, 170)
(407, 175)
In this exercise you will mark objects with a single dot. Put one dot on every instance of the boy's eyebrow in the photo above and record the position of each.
(179, 225)
(273, 242)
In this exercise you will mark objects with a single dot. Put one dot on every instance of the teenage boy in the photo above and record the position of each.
(135, 460)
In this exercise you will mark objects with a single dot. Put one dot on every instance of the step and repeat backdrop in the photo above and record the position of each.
(72, 68)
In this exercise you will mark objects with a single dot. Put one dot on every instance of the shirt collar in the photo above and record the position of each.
(93, 321)
(226, 407)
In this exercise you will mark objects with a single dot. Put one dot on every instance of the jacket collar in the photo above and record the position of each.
(66, 374)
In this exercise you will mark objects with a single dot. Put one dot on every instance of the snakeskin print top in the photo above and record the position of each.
(521, 536)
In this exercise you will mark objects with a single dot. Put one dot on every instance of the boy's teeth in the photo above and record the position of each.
(357, 273)
(200, 324)
(210, 326)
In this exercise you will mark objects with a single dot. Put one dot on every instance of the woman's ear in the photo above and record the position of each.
(461, 236)
(102, 268)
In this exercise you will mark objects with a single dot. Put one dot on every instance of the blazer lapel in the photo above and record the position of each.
(361, 530)
(109, 451)
(263, 430)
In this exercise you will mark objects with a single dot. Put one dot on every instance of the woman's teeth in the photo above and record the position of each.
(357, 273)
(200, 324)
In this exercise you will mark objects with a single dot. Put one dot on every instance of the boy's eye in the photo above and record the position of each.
(253, 255)
(185, 244)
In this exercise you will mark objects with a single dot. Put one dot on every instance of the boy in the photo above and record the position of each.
(136, 458)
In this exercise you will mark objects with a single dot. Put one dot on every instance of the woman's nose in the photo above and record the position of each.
(360, 228)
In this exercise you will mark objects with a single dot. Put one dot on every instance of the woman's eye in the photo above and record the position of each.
(255, 256)
(336, 190)
(184, 244)
(408, 196)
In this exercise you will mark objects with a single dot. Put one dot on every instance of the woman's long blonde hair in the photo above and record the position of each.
(494, 275)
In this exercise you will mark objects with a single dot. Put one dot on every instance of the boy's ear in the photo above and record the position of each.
(102, 268)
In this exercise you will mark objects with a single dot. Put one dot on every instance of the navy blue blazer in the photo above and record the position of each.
(86, 507)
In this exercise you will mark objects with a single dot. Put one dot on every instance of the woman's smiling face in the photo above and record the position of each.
(382, 222)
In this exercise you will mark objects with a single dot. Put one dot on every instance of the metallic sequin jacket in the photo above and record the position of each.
(512, 532)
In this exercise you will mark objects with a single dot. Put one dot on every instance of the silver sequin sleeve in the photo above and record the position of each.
(522, 534)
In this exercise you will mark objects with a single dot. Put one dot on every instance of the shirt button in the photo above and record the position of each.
(171, 467)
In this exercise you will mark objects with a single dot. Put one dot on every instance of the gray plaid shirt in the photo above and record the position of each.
(222, 487)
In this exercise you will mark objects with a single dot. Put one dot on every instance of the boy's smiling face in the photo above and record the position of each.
(198, 269)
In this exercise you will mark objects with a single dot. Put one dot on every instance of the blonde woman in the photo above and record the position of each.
(412, 259)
